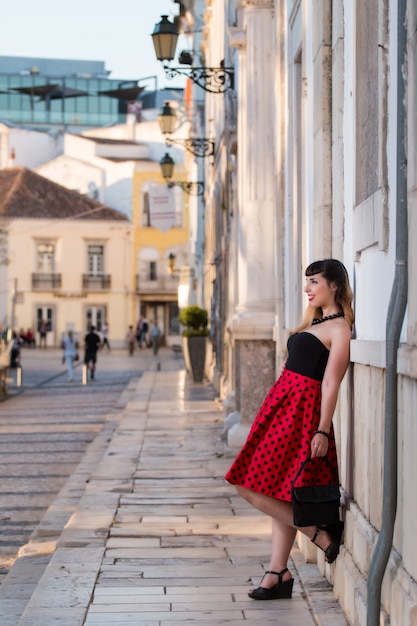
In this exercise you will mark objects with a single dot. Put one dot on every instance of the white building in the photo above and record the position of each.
(22, 146)
(311, 172)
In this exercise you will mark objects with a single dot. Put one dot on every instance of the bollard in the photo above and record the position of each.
(18, 376)
(158, 367)
(84, 374)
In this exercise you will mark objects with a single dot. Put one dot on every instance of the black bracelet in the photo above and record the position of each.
(322, 432)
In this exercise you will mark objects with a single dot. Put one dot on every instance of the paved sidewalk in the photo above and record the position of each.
(158, 537)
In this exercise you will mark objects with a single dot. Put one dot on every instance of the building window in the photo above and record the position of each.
(40, 102)
(46, 258)
(45, 314)
(153, 274)
(95, 260)
(95, 316)
(146, 212)
(367, 99)
(371, 215)
(174, 325)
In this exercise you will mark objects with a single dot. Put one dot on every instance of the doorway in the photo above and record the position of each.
(95, 316)
(47, 314)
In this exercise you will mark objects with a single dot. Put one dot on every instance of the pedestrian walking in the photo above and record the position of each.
(43, 330)
(15, 350)
(130, 339)
(144, 328)
(138, 330)
(92, 344)
(295, 423)
(70, 346)
(104, 335)
(155, 337)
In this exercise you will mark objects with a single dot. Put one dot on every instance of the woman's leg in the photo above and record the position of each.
(69, 367)
(282, 542)
(282, 511)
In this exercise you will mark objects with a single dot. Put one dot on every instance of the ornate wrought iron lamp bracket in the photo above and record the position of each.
(211, 79)
(191, 188)
(199, 146)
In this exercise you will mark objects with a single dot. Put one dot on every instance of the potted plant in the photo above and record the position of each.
(194, 335)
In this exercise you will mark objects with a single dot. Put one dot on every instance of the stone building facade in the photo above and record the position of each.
(306, 167)
(65, 260)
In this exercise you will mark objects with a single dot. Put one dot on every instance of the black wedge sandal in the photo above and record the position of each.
(281, 591)
(335, 532)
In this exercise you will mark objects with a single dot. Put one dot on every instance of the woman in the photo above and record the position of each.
(130, 340)
(70, 345)
(155, 337)
(105, 335)
(295, 421)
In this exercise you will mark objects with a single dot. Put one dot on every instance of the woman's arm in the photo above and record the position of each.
(335, 370)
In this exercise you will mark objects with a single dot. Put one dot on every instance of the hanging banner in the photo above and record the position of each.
(161, 208)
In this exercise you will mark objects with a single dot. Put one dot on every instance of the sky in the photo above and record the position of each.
(117, 33)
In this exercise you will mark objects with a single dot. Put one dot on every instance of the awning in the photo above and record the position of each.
(51, 92)
(130, 93)
(37, 90)
(66, 92)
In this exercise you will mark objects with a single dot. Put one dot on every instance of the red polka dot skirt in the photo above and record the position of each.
(280, 438)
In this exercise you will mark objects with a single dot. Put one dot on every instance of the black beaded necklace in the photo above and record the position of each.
(320, 320)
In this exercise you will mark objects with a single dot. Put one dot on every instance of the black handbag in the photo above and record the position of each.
(317, 504)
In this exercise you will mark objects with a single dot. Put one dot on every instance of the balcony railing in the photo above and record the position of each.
(46, 282)
(92, 282)
(162, 284)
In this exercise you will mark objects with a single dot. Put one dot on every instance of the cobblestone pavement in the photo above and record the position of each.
(145, 530)
(46, 426)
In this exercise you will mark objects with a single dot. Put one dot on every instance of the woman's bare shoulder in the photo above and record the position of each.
(344, 327)
(341, 331)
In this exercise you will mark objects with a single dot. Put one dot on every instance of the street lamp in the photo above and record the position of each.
(211, 79)
(167, 119)
(199, 146)
(165, 37)
(182, 272)
(167, 164)
(171, 263)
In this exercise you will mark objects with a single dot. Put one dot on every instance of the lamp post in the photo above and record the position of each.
(199, 146)
(211, 79)
(167, 164)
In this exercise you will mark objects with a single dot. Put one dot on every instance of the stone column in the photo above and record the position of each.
(254, 312)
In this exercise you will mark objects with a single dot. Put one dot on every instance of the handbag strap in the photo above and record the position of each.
(308, 459)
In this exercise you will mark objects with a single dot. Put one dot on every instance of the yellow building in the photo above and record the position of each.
(120, 166)
(160, 249)
(65, 260)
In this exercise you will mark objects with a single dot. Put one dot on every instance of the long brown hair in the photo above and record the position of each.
(334, 272)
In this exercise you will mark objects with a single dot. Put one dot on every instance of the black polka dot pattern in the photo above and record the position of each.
(280, 440)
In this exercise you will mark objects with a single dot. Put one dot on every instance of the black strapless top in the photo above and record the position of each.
(307, 355)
